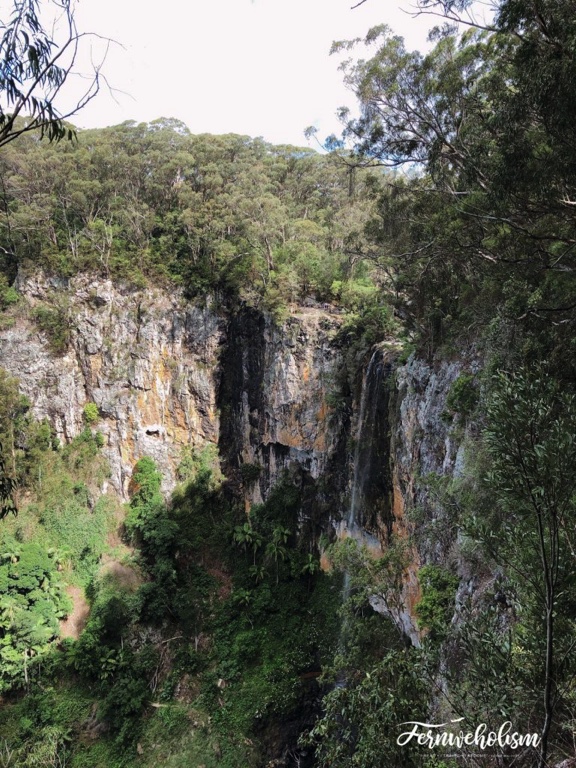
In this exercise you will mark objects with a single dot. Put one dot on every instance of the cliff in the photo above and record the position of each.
(167, 375)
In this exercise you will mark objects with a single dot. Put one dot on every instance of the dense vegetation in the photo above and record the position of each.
(215, 214)
(481, 233)
(194, 643)
(477, 240)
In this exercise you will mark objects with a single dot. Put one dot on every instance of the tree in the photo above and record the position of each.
(7, 489)
(32, 599)
(480, 234)
(13, 411)
(515, 644)
(362, 719)
(245, 536)
(484, 125)
(276, 548)
(34, 67)
(532, 446)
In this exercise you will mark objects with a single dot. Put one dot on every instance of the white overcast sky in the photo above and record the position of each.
(255, 67)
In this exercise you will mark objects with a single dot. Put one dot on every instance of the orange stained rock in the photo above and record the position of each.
(147, 408)
(412, 591)
(292, 434)
(322, 413)
(127, 447)
(400, 528)
(95, 363)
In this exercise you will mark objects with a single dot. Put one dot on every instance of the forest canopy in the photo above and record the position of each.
(229, 213)
(481, 226)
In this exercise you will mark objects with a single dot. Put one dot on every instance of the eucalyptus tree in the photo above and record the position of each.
(531, 443)
(35, 64)
(482, 128)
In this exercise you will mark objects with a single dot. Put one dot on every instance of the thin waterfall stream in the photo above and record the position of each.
(364, 448)
(364, 451)
(371, 489)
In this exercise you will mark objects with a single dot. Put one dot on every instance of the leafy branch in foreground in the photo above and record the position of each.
(525, 526)
(35, 65)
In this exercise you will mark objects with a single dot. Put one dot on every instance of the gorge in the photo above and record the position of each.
(287, 437)
(170, 377)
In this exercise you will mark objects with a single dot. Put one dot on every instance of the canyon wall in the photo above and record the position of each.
(170, 376)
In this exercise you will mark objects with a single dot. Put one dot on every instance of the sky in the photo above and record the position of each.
(254, 67)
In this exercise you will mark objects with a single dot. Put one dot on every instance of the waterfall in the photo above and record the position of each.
(365, 430)
(371, 489)
(364, 451)
(364, 454)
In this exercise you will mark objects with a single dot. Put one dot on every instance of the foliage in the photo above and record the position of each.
(55, 324)
(269, 665)
(32, 599)
(484, 667)
(371, 322)
(509, 649)
(474, 243)
(476, 240)
(257, 645)
(36, 62)
(462, 397)
(90, 413)
(194, 463)
(371, 577)
(150, 525)
(80, 532)
(62, 486)
(7, 489)
(381, 680)
(530, 441)
(119, 672)
(21, 441)
(250, 472)
(8, 294)
(436, 605)
(225, 215)
(363, 718)
(481, 227)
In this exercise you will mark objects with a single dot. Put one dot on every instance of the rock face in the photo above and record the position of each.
(423, 441)
(145, 359)
(426, 441)
(275, 383)
(167, 374)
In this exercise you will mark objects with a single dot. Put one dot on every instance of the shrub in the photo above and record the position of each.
(33, 599)
(437, 602)
(250, 473)
(91, 413)
(463, 395)
(54, 324)
(8, 294)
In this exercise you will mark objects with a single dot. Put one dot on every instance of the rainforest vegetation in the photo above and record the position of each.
(443, 217)
(228, 215)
